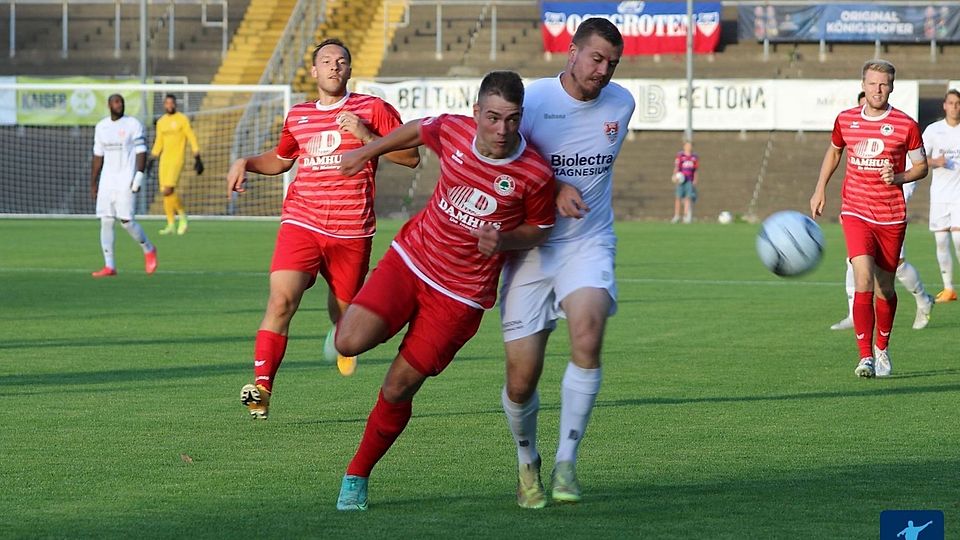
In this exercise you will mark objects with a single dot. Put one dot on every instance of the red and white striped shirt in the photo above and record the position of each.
(872, 142)
(320, 198)
(437, 244)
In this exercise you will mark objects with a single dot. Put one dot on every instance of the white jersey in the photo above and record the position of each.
(581, 140)
(939, 139)
(118, 142)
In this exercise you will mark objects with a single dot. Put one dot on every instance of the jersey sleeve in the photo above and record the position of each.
(287, 148)
(836, 138)
(430, 129)
(540, 207)
(914, 140)
(191, 136)
(139, 139)
(385, 118)
(97, 141)
(158, 142)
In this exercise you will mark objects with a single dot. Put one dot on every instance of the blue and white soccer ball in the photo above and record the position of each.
(790, 243)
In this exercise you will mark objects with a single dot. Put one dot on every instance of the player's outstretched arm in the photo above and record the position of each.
(830, 161)
(268, 163)
(404, 137)
(351, 123)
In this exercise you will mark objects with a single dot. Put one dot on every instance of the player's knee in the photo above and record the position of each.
(520, 389)
(281, 307)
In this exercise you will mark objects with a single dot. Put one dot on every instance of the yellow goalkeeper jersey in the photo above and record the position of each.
(173, 132)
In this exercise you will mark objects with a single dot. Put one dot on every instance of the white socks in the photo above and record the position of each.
(136, 231)
(578, 392)
(944, 257)
(910, 278)
(106, 241)
(851, 288)
(522, 420)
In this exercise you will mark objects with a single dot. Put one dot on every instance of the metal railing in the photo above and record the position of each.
(170, 5)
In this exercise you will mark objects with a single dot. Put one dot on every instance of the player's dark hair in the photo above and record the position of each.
(506, 84)
(170, 96)
(952, 91)
(111, 96)
(332, 41)
(600, 27)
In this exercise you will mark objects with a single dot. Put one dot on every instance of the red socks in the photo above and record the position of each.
(863, 321)
(384, 425)
(865, 316)
(886, 309)
(267, 354)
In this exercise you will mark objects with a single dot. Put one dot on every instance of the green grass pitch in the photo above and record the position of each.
(728, 409)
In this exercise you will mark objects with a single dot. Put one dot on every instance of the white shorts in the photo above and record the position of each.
(116, 204)
(944, 216)
(536, 281)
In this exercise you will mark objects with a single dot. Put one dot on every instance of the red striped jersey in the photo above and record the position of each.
(437, 243)
(320, 198)
(872, 142)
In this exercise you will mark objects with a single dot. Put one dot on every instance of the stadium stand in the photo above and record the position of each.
(197, 49)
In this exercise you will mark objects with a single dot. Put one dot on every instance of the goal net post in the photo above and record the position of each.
(46, 145)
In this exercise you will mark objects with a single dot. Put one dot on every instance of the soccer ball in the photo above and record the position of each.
(790, 243)
(678, 178)
(725, 218)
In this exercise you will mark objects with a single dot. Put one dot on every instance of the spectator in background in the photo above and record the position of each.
(685, 167)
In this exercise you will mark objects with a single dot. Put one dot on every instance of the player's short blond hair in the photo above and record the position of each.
(879, 65)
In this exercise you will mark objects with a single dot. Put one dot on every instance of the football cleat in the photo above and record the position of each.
(566, 488)
(257, 400)
(150, 260)
(843, 324)
(923, 313)
(884, 367)
(347, 365)
(353, 493)
(946, 295)
(530, 492)
(182, 228)
(169, 229)
(106, 271)
(329, 350)
(865, 368)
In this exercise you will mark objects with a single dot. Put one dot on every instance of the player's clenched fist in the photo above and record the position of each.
(886, 173)
(353, 161)
(570, 201)
(488, 239)
(236, 177)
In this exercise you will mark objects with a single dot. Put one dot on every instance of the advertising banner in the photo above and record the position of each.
(813, 105)
(718, 104)
(731, 104)
(425, 97)
(850, 23)
(75, 107)
(647, 27)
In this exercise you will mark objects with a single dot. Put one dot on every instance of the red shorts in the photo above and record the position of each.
(882, 242)
(439, 325)
(343, 262)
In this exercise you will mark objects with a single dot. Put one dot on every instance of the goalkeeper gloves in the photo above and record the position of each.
(198, 164)
(137, 181)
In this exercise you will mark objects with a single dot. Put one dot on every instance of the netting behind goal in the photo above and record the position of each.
(45, 157)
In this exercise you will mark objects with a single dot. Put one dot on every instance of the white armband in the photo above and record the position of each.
(137, 181)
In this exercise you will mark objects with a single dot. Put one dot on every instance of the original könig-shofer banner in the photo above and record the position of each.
(647, 27)
(850, 22)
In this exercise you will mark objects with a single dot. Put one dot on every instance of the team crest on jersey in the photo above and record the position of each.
(504, 184)
(612, 129)
(886, 130)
